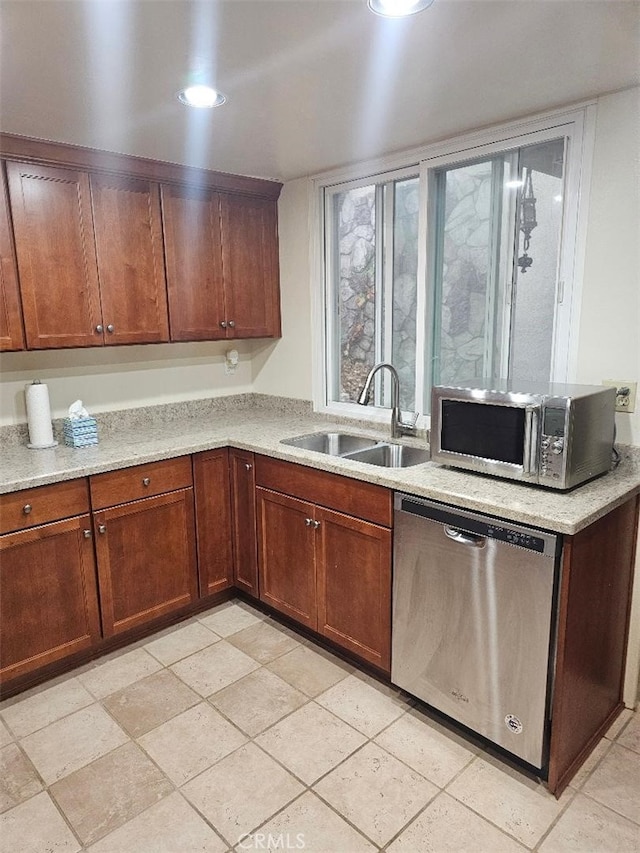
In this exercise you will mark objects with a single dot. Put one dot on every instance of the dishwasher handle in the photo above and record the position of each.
(465, 538)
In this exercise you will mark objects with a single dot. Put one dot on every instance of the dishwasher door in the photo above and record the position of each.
(473, 605)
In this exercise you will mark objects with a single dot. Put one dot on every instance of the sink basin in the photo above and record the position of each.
(333, 443)
(390, 455)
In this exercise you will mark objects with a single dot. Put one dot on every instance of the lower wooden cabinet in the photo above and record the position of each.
(145, 548)
(327, 569)
(353, 576)
(243, 517)
(593, 628)
(213, 520)
(48, 595)
(287, 555)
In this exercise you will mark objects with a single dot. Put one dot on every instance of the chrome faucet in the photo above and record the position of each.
(398, 426)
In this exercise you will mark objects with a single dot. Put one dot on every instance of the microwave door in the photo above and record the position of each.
(488, 436)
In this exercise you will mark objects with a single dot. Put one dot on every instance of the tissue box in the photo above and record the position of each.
(80, 432)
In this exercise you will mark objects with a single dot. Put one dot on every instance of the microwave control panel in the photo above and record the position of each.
(552, 442)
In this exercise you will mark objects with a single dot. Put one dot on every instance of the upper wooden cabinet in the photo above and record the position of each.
(193, 250)
(250, 267)
(55, 247)
(11, 332)
(128, 231)
(92, 238)
(90, 257)
(222, 265)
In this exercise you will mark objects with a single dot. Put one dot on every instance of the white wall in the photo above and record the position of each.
(609, 336)
(108, 378)
(284, 367)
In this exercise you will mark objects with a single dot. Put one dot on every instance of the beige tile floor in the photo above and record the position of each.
(232, 733)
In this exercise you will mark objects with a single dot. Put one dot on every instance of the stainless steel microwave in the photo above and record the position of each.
(550, 434)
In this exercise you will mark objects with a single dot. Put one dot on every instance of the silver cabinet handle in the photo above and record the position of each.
(232, 324)
(146, 481)
(102, 528)
(26, 509)
(110, 328)
(223, 324)
(99, 328)
(86, 534)
(248, 466)
(308, 522)
(316, 524)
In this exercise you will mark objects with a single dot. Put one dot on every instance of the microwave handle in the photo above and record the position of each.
(530, 439)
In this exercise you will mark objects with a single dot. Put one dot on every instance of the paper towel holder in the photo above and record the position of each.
(53, 442)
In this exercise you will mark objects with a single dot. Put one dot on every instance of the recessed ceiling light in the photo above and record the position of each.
(398, 8)
(201, 96)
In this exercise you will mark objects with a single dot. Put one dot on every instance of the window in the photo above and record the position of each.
(458, 265)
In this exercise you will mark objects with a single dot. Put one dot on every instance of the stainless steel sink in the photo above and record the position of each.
(333, 443)
(390, 455)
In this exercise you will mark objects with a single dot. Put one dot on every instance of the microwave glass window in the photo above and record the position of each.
(483, 430)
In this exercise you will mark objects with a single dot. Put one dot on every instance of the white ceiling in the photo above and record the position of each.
(311, 84)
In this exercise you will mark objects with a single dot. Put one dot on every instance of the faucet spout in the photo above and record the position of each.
(398, 426)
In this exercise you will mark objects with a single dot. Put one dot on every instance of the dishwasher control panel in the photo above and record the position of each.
(478, 524)
(516, 537)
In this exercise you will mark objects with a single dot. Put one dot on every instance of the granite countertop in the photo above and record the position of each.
(259, 423)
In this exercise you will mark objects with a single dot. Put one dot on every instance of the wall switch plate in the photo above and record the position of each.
(626, 394)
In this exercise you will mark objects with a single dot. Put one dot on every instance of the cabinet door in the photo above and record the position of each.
(55, 248)
(48, 594)
(243, 509)
(250, 263)
(286, 538)
(213, 520)
(146, 559)
(11, 332)
(128, 234)
(354, 585)
(194, 263)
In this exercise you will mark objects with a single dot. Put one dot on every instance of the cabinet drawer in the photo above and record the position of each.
(31, 507)
(354, 497)
(141, 481)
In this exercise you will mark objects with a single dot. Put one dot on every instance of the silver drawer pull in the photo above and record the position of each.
(248, 466)
(102, 528)
(86, 534)
(308, 522)
(316, 524)
(99, 328)
(232, 324)
(146, 481)
(223, 324)
(26, 509)
(110, 328)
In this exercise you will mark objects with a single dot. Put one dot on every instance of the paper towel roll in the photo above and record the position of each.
(39, 416)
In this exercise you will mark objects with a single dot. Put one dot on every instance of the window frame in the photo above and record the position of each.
(575, 124)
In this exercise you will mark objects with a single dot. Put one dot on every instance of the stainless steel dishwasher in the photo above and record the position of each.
(473, 621)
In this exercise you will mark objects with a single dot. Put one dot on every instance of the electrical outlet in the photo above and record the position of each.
(625, 394)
